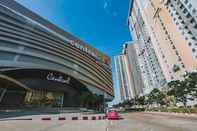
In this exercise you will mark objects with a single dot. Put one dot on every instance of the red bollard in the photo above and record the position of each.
(99, 117)
(62, 118)
(74, 118)
(46, 119)
(85, 118)
(94, 118)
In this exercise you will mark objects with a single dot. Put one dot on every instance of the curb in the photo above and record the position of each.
(83, 118)
(20, 119)
(73, 118)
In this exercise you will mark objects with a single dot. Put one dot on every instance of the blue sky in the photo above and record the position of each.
(101, 23)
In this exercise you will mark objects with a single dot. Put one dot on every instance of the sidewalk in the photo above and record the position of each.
(174, 114)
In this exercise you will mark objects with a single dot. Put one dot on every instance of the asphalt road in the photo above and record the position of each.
(153, 122)
(131, 122)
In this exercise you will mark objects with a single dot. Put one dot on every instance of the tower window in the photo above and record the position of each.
(188, 15)
(193, 38)
(186, 1)
(185, 11)
(190, 32)
(192, 20)
(181, 6)
(194, 11)
(190, 6)
(195, 26)
(186, 38)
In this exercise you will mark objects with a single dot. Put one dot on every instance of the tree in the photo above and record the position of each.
(91, 100)
(179, 90)
(99, 102)
(156, 96)
(126, 104)
(140, 100)
(84, 99)
(191, 83)
(170, 100)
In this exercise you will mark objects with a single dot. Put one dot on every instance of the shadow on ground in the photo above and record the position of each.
(22, 113)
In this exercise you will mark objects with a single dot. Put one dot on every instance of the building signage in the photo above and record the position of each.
(58, 78)
(83, 48)
(88, 51)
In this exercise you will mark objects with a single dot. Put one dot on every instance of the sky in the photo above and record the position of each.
(100, 23)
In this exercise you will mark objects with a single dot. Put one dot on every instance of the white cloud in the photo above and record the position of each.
(105, 5)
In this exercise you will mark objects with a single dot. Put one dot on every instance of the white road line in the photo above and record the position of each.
(109, 124)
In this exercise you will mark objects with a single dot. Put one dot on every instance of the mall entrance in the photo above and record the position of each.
(46, 88)
(12, 93)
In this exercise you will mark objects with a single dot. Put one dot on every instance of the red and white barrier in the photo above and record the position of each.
(74, 118)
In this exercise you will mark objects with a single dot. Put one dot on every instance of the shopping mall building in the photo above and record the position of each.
(39, 59)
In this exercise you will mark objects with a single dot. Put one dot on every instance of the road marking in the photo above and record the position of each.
(109, 125)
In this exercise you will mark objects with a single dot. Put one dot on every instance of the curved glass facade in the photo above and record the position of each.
(28, 41)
